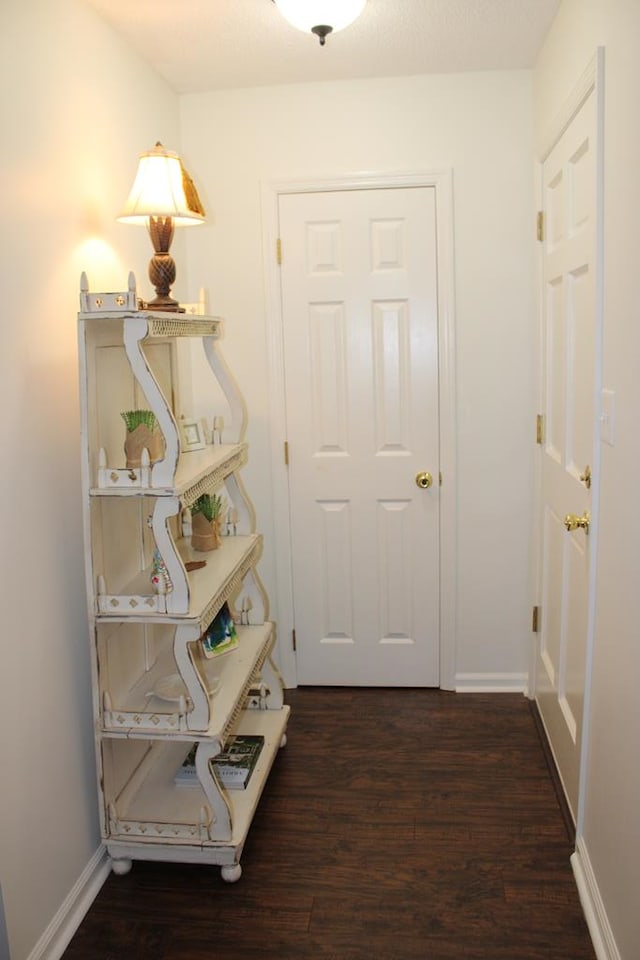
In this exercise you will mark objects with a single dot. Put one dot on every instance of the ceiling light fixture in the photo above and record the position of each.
(321, 17)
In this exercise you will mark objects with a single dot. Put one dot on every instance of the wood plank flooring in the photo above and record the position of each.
(396, 825)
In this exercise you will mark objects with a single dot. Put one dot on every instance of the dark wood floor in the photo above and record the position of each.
(396, 825)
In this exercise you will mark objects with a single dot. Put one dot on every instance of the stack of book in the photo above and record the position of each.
(233, 767)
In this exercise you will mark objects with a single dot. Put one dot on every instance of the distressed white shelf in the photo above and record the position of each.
(202, 592)
(209, 697)
(155, 690)
(197, 472)
(153, 818)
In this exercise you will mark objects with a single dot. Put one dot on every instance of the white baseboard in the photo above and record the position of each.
(595, 914)
(491, 682)
(56, 938)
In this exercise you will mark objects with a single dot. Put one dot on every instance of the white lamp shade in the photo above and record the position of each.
(306, 14)
(162, 188)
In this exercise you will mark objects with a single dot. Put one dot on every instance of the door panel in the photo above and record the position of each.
(361, 366)
(569, 258)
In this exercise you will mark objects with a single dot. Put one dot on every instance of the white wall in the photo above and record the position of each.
(77, 110)
(610, 824)
(479, 126)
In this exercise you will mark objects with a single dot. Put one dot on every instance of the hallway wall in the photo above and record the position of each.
(77, 110)
(479, 127)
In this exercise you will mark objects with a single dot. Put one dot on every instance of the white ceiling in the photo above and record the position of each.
(201, 45)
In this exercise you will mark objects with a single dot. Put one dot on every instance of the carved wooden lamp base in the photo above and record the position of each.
(162, 266)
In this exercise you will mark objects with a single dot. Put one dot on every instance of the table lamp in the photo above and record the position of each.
(162, 197)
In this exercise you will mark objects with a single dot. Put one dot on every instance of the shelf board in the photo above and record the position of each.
(139, 715)
(207, 585)
(160, 812)
(161, 324)
(196, 470)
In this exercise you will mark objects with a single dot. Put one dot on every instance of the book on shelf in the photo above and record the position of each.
(233, 767)
(186, 774)
(221, 634)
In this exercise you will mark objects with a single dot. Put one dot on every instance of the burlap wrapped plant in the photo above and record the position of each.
(206, 519)
(142, 431)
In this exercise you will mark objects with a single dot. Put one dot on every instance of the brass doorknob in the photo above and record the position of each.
(424, 480)
(572, 522)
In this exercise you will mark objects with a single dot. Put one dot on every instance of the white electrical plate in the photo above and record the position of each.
(607, 417)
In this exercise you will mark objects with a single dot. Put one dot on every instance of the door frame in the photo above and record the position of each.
(442, 182)
(591, 82)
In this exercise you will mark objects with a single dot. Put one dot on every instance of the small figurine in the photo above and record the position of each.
(160, 579)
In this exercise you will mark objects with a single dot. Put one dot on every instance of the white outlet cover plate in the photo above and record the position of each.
(607, 417)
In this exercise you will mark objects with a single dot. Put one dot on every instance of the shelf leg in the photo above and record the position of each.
(231, 874)
(120, 867)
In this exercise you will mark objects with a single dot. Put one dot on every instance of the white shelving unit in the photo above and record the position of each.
(156, 692)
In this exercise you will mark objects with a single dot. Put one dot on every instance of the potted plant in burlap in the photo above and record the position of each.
(142, 431)
(206, 520)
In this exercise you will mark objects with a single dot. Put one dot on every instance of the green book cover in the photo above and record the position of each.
(221, 635)
(234, 766)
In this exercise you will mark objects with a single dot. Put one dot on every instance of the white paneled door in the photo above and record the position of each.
(359, 300)
(569, 368)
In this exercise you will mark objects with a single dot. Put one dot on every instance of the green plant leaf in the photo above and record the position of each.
(133, 419)
(209, 504)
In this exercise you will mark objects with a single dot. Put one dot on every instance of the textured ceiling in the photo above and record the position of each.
(201, 45)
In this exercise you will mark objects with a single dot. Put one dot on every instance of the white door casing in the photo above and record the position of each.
(570, 367)
(392, 510)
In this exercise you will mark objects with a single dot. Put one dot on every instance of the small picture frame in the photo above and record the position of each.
(191, 435)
